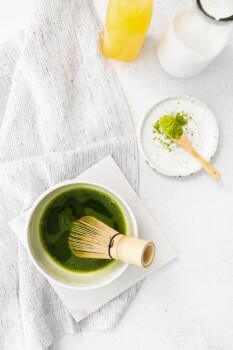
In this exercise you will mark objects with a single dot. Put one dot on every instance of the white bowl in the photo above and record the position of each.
(55, 272)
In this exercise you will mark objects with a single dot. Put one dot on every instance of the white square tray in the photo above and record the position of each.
(83, 303)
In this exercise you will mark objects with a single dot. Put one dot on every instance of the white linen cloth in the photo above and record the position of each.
(61, 111)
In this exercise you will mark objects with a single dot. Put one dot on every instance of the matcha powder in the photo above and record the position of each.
(170, 126)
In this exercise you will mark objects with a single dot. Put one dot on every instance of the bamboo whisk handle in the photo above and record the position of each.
(132, 250)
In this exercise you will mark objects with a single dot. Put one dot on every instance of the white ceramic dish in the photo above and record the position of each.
(53, 271)
(202, 131)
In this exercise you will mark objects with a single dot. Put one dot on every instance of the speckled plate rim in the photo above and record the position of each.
(139, 134)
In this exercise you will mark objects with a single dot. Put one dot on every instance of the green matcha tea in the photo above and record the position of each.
(62, 211)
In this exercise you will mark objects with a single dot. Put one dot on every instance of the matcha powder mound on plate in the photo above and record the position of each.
(171, 127)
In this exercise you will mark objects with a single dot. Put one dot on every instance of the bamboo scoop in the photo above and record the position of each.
(91, 238)
(183, 141)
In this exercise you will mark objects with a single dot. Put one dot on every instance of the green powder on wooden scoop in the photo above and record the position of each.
(171, 127)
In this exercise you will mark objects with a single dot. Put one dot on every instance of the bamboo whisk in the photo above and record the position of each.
(91, 238)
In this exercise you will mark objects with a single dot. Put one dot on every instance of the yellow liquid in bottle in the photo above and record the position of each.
(127, 22)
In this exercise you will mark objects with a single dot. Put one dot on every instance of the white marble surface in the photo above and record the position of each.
(194, 212)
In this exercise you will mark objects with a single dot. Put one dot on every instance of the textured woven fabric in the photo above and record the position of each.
(61, 111)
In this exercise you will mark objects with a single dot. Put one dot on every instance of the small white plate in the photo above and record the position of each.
(202, 132)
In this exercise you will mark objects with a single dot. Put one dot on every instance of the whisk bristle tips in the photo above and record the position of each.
(89, 238)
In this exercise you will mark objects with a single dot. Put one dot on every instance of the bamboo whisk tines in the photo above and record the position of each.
(89, 238)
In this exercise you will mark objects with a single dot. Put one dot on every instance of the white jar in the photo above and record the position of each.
(196, 34)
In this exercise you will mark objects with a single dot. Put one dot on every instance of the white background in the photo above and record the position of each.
(188, 304)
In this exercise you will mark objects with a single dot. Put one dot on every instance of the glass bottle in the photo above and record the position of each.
(127, 22)
(196, 34)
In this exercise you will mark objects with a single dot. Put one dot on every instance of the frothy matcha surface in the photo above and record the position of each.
(61, 212)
